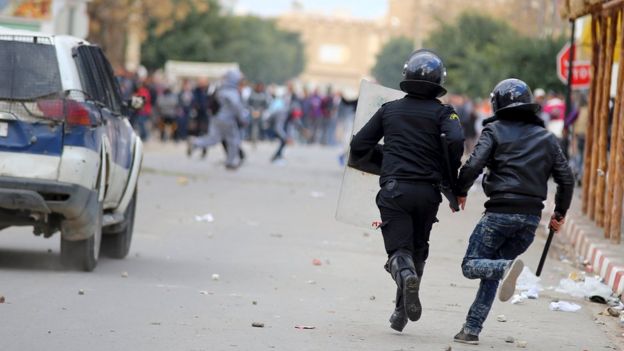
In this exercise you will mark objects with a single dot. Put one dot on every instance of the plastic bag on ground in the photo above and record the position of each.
(591, 288)
(564, 306)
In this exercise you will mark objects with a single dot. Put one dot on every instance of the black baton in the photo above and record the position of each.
(551, 233)
(545, 252)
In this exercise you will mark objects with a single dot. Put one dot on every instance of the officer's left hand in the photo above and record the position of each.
(461, 201)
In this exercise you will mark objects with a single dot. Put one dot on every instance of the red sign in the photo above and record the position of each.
(581, 70)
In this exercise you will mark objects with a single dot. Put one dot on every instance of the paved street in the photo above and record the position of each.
(270, 223)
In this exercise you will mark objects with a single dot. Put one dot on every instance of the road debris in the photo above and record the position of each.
(155, 323)
(317, 262)
(529, 284)
(254, 303)
(448, 348)
(518, 299)
(203, 292)
(521, 344)
(501, 318)
(510, 340)
(182, 181)
(564, 306)
(317, 194)
(208, 217)
(590, 287)
(216, 277)
(2, 299)
(311, 282)
(613, 312)
(276, 235)
(124, 274)
(303, 327)
(372, 298)
(81, 292)
(257, 325)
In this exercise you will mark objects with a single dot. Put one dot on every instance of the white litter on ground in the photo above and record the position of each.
(590, 287)
(205, 218)
(317, 194)
(564, 306)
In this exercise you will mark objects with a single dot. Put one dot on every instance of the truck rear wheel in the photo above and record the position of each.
(83, 254)
(117, 239)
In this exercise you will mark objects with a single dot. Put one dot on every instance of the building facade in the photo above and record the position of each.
(340, 51)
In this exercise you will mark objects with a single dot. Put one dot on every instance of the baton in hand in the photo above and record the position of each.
(447, 189)
(551, 233)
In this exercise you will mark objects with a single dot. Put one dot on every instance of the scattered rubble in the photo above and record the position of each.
(302, 327)
(2, 299)
(501, 318)
(81, 292)
(124, 274)
(215, 277)
(521, 344)
(510, 340)
(257, 325)
(317, 262)
(372, 298)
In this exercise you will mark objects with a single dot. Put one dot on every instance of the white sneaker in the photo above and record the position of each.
(508, 285)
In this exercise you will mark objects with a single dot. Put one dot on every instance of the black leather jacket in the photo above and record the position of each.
(412, 151)
(520, 155)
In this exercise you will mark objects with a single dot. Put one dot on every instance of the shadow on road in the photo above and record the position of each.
(29, 260)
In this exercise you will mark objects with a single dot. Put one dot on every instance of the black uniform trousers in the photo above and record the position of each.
(408, 211)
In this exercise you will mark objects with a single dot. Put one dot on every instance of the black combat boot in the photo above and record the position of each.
(398, 320)
(404, 273)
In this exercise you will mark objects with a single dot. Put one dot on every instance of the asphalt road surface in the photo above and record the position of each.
(274, 255)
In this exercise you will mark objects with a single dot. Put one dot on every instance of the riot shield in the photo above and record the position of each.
(356, 203)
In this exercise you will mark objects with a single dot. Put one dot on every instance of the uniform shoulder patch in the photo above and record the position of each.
(454, 116)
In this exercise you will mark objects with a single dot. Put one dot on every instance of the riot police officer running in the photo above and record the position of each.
(410, 167)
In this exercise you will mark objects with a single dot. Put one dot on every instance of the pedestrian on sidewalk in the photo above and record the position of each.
(520, 155)
(410, 172)
(224, 126)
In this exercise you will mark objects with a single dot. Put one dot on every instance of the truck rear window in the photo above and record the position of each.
(29, 70)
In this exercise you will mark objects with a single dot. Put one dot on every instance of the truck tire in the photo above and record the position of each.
(83, 254)
(116, 242)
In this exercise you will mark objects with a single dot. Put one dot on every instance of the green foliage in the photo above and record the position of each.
(479, 51)
(390, 60)
(264, 52)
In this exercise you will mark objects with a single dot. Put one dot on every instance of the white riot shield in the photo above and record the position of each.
(356, 203)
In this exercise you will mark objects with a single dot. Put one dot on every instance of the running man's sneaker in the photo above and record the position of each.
(464, 338)
(508, 286)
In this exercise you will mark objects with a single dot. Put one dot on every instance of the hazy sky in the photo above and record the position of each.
(369, 9)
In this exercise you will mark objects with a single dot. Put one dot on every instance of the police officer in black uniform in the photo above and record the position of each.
(410, 165)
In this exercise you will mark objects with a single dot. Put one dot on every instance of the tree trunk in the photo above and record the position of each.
(611, 32)
(593, 170)
(617, 120)
(589, 134)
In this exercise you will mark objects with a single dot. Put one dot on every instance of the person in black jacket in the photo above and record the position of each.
(520, 155)
(409, 163)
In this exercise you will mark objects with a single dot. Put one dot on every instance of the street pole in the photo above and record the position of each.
(568, 97)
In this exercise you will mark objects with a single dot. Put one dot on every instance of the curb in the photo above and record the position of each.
(588, 242)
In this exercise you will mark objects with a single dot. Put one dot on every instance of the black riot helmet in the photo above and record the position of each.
(513, 94)
(424, 74)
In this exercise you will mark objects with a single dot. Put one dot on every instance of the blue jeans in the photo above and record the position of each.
(497, 239)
